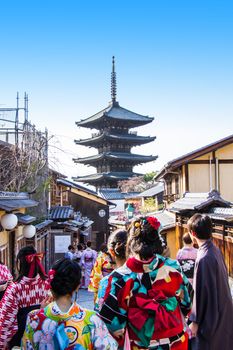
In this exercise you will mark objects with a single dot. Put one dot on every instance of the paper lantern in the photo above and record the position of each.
(9, 221)
(29, 231)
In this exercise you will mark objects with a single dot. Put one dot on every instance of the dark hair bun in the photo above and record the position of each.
(145, 239)
(67, 277)
(117, 241)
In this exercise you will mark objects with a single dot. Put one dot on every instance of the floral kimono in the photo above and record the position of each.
(87, 261)
(187, 257)
(78, 329)
(103, 267)
(19, 296)
(149, 300)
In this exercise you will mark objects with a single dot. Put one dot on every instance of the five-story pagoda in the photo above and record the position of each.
(114, 161)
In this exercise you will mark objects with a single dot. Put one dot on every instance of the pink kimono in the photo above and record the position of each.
(186, 257)
(87, 261)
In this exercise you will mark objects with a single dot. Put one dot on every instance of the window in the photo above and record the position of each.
(4, 254)
(169, 187)
(177, 185)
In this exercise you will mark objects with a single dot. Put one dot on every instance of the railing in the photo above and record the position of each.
(223, 239)
(95, 134)
(170, 198)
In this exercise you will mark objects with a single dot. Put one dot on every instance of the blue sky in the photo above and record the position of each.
(173, 62)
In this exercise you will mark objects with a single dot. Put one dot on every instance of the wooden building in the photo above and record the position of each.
(205, 169)
(89, 204)
(11, 241)
(114, 140)
(221, 213)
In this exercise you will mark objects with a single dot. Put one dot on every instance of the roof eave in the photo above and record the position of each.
(177, 162)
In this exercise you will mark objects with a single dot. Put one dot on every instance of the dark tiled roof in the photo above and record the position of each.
(75, 185)
(134, 158)
(114, 111)
(79, 187)
(166, 219)
(225, 214)
(114, 176)
(115, 193)
(43, 224)
(198, 201)
(61, 213)
(25, 219)
(11, 201)
(124, 138)
(153, 191)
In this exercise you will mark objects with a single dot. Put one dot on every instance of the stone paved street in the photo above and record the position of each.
(85, 299)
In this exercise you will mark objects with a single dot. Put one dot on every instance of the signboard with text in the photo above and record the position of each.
(61, 243)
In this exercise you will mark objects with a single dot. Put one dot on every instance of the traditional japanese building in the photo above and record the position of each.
(114, 140)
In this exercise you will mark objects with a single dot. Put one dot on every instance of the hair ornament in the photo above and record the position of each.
(35, 260)
(137, 224)
(153, 222)
(51, 275)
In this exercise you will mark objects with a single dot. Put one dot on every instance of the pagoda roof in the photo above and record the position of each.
(133, 139)
(115, 112)
(129, 157)
(109, 176)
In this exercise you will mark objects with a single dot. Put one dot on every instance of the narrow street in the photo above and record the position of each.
(85, 299)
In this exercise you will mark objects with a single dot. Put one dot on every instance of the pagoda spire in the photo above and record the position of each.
(113, 82)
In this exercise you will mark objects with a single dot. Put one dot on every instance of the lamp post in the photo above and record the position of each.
(130, 211)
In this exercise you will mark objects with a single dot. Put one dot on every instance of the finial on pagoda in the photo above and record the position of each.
(113, 81)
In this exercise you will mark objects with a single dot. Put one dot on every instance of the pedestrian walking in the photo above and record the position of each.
(186, 256)
(88, 260)
(26, 293)
(104, 265)
(117, 249)
(148, 297)
(5, 279)
(70, 253)
(78, 253)
(212, 312)
(63, 324)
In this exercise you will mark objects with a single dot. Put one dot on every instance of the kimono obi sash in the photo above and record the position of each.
(21, 320)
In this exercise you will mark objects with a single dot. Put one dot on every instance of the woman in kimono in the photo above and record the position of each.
(103, 266)
(186, 256)
(212, 312)
(63, 324)
(87, 261)
(147, 298)
(25, 294)
(5, 279)
(117, 249)
(78, 254)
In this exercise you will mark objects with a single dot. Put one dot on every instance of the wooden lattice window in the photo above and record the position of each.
(177, 189)
(4, 254)
(20, 244)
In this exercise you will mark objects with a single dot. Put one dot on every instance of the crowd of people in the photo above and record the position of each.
(142, 298)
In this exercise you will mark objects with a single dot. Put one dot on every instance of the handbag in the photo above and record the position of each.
(126, 341)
